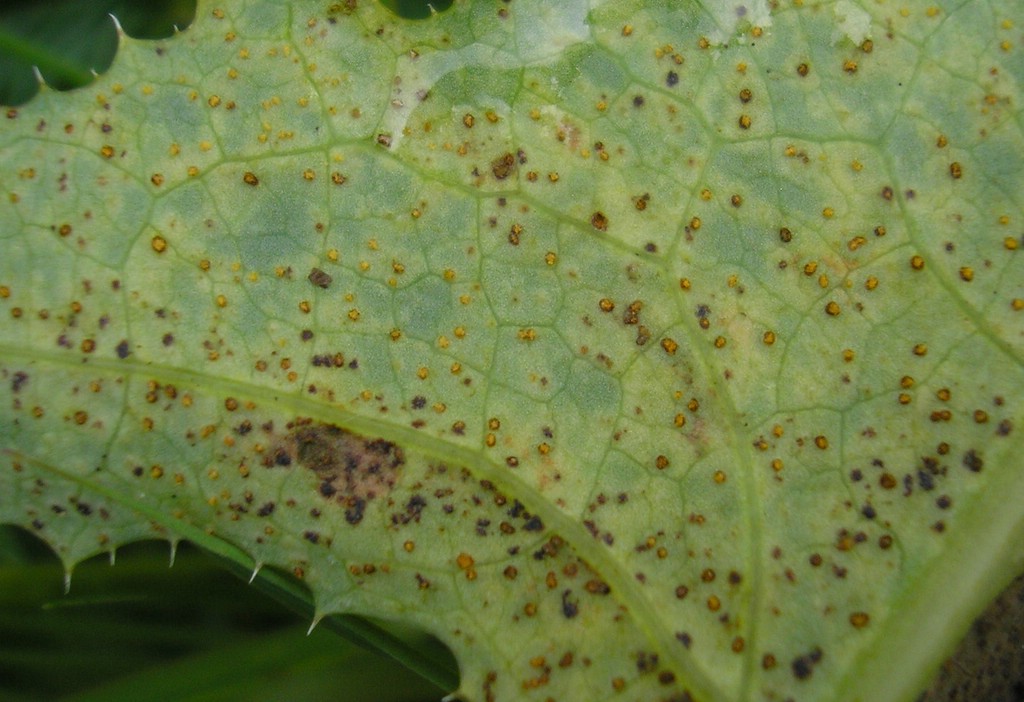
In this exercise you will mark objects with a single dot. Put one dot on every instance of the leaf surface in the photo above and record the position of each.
(638, 350)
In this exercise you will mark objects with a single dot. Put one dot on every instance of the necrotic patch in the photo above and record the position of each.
(351, 469)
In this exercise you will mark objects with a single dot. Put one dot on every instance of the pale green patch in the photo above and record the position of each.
(642, 352)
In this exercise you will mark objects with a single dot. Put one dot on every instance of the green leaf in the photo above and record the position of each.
(646, 348)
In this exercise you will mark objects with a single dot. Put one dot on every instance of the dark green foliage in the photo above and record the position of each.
(68, 39)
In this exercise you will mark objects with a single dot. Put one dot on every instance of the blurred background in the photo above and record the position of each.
(69, 39)
(144, 630)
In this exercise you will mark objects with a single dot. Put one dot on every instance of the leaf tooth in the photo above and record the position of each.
(316, 620)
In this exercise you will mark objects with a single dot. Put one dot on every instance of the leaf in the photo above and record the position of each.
(628, 347)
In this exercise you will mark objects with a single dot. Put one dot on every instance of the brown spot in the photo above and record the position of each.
(18, 381)
(803, 666)
(503, 166)
(320, 279)
(632, 314)
(646, 662)
(599, 221)
(570, 607)
(973, 462)
(351, 469)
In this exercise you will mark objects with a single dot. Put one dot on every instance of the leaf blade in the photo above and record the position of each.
(555, 281)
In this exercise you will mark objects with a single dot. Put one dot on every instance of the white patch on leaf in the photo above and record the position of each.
(540, 39)
(556, 27)
(728, 16)
(852, 22)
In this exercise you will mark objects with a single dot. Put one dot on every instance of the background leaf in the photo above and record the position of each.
(190, 631)
(68, 41)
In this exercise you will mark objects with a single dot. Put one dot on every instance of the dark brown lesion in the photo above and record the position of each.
(503, 166)
(352, 470)
(320, 278)
(18, 381)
